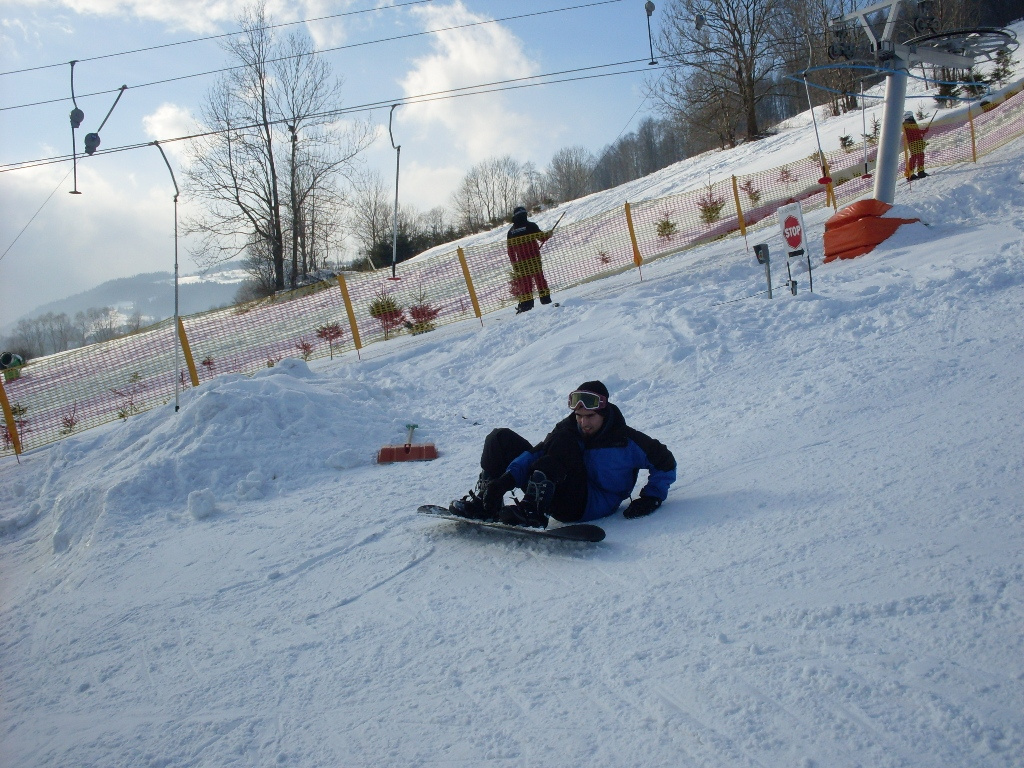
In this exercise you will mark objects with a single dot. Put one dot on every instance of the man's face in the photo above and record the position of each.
(590, 422)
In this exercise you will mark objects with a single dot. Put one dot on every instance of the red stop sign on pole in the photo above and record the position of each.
(791, 222)
(793, 231)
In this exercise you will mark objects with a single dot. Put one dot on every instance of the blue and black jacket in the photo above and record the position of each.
(613, 459)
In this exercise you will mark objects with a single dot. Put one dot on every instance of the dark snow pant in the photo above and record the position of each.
(528, 274)
(562, 463)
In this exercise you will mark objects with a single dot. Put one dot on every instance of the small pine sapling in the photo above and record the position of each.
(947, 94)
(710, 206)
(386, 310)
(1002, 72)
(128, 395)
(69, 421)
(876, 130)
(18, 411)
(666, 228)
(305, 349)
(332, 334)
(975, 85)
(753, 193)
(422, 315)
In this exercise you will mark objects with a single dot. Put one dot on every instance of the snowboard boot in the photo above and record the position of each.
(472, 504)
(532, 511)
(545, 299)
(524, 306)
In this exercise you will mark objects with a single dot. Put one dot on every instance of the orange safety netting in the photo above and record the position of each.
(55, 396)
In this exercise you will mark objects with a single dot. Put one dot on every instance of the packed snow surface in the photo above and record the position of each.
(836, 579)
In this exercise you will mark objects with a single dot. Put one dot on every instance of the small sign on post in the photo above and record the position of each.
(763, 257)
(791, 221)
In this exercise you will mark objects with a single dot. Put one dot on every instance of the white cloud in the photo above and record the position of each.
(117, 226)
(198, 16)
(421, 184)
(170, 121)
(477, 126)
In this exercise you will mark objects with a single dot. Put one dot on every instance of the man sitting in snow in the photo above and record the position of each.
(581, 471)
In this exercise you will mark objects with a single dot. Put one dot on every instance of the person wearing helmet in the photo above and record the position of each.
(915, 145)
(581, 471)
(524, 241)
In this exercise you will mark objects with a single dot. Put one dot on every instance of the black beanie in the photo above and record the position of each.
(593, 386)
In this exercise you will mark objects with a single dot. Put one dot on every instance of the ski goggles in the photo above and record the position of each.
(590, 401)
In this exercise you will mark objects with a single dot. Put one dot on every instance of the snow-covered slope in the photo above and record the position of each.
(835, 580)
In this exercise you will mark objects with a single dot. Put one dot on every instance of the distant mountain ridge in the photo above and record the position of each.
(152, 294)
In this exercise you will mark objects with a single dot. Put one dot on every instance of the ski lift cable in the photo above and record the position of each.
(327, 50)
(38, 211)
(475, 90)
(213, 37)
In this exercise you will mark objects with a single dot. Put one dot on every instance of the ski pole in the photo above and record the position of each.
(552, 230)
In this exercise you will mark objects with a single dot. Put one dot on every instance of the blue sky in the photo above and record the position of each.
(122, 223)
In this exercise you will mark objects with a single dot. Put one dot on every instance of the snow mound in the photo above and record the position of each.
(235, 439)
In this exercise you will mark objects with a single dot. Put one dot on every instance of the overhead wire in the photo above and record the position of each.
(327, 50)
(451, 93)
(33, 217)
(213, 37)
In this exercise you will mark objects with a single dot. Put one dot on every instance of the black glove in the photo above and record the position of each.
(641, 506)
(496, 490)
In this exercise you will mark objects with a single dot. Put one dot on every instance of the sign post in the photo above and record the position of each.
(763, 257)
(791, 222)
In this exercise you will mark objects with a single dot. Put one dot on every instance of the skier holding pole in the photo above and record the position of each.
(524, 241)
(915, 145)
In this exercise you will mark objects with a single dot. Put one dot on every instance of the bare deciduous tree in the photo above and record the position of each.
(371, 210)
(489, 192)
(569, 173)
(249, 170)
(729, 58)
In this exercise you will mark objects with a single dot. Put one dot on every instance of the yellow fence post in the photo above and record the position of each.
(637, 258)
(739, 208)
(187, 350)
(469, 283)
(830, 192)
(351, 313)
(974, 144)
(12, 426)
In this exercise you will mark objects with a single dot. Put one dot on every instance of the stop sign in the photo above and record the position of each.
(793, 231)
(791, 222)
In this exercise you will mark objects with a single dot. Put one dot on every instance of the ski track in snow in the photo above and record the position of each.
(835, 580)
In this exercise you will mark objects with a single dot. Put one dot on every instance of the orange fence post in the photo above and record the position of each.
(187, 351)
(469, 283)
(12, 426)
(637, 258)
(351, 313)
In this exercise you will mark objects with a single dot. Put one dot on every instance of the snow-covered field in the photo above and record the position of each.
(836, 579)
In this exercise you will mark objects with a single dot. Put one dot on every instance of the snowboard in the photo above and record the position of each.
(585, 532)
